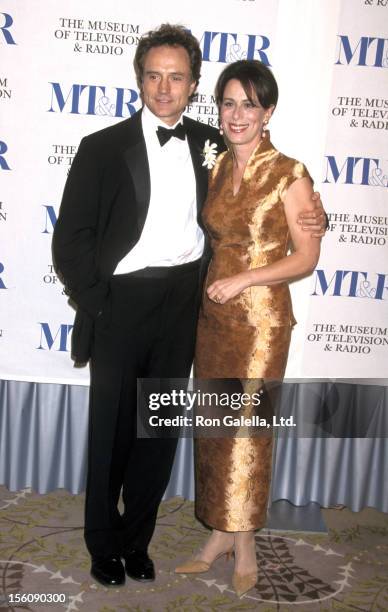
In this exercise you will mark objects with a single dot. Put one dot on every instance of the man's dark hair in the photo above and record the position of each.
(173, 36)
(256, 79)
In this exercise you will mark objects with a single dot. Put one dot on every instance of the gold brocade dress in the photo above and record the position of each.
(247, 337)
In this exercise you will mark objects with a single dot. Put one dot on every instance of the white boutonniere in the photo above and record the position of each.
(209, 154)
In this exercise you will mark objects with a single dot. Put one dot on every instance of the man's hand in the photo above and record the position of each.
(314, 221)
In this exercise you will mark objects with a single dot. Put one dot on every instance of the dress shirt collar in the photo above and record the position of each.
(152, 122)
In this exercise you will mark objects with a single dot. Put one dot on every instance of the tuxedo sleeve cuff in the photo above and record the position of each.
(92, 299)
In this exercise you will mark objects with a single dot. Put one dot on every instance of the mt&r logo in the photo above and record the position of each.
(366, 51)
(3, 162)
(226, 47)
(93, 100)
(352, 284)
(6, 22)
(54, 338)
(369, 171)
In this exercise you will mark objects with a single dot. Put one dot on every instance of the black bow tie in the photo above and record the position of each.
(164, 134)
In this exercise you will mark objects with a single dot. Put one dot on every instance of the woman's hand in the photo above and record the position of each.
(226, 288)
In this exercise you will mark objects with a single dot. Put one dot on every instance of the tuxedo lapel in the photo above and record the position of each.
(137, 161)
(196, 150)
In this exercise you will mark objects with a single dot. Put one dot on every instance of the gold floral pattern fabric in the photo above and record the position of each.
(249, 336)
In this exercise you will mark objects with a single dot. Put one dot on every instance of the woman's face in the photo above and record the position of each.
(241, 120)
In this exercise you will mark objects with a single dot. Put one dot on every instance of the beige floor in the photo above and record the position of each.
(42, 551)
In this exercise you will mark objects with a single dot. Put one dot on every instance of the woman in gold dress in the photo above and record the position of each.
(255, 196)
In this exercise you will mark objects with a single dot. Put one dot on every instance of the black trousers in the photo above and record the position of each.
(146, 330)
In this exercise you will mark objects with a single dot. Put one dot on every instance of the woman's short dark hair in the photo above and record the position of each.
(256, 79)
(173, 36)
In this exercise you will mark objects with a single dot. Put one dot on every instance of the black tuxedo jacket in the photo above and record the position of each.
(103, 211)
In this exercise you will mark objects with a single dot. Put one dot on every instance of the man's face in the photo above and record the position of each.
(167, 82)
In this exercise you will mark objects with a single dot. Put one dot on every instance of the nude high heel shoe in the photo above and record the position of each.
(196, 566)
(242, 583)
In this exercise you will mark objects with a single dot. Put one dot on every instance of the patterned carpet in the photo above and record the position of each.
(42, 552)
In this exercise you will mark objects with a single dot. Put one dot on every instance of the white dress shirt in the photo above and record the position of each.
(171, 235)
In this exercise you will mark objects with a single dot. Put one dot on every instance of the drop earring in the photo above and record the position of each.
(221, 130)
(264, 128)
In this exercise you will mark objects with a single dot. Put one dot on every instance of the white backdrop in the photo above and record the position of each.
(66, 71)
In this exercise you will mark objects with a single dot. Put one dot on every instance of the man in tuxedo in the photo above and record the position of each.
(129, 247)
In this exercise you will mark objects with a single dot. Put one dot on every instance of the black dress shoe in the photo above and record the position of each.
(108, 571)
(139, 566)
